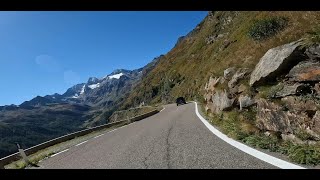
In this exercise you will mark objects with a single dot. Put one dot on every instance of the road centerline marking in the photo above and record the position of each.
(99, 135)
(59, 152)
(82, 143)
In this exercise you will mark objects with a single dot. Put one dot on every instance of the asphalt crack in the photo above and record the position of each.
(147, 157)
(168, 145)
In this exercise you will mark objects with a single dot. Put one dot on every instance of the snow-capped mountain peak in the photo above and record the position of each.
(82, 90)
(116, 76)
(93, 86)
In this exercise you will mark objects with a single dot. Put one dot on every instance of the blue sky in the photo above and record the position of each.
(43, 53)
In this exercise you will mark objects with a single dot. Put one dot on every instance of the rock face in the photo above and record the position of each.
(305, 71)
(292, 138)
(316, 120)
(241, 73)
(211, 84)
(317, 88)
(220, 102)
(270, 117)
(313, 52)
(228, 73)
(245, 101)
(276, 61)
(299, 106)
(287, 90)
(293, 106)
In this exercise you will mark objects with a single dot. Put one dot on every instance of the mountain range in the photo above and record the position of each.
(246, 69)
(81, 106)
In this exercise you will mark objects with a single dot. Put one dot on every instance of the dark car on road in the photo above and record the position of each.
(180, 100)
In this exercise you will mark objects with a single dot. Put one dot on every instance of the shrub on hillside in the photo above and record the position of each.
(305, 154)
(265, 28)
(313, 37)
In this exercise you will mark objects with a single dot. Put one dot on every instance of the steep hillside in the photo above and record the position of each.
(220, 41)
(256, 74)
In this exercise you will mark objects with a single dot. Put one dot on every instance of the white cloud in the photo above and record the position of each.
(47, 63)
(71, 77)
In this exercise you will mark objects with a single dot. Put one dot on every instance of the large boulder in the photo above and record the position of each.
(277, 61)
(305, 72)
(220, 102)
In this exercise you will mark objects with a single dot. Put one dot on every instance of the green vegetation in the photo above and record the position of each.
(254, 34)
(266, 28)
(263, 142)
(192, 62)
(303, 135)
(268, 91)
(305, 154)
(240, 126)
(312, 37)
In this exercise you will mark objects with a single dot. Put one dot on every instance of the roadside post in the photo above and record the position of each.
(128, 120)
(23, 154)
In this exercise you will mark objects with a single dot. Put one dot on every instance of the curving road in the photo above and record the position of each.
(174, 138)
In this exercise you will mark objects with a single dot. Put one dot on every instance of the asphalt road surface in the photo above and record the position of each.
(175, 138)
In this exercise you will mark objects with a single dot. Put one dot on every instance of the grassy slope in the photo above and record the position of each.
(187, 67)
(190, 64)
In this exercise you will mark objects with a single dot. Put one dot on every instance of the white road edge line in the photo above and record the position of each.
(82, 143)
(253, 152)
(59, 152)
(163, 109)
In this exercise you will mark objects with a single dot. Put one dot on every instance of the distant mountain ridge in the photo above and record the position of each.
(82, 105)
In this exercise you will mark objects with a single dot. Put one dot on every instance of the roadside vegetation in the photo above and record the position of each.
(239, 126)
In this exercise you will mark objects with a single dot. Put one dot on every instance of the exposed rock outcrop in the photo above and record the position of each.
(313, 52)
(293, 89)
(271, 117)
(299, 106)
(277, 61)
(220, 102)
(317, 88)
(210, 86)
(291, 138)
(305, 71)
(228, 73)
(240, 74)
(245, 101)
(316, 121)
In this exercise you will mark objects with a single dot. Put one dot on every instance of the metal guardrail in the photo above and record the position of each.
(16, 156)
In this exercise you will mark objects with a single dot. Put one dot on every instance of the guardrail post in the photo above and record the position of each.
(23, 155)
(128, 120)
